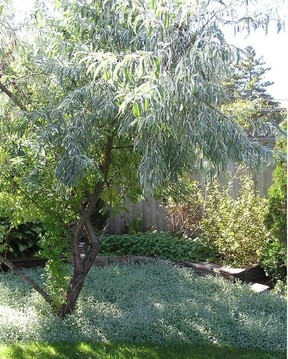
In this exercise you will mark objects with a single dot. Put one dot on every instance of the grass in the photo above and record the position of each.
(146, 303)
(120, 351)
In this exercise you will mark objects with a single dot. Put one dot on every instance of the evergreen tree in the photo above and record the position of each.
(247, 81)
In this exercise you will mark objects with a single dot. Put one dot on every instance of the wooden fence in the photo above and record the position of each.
(150, 214)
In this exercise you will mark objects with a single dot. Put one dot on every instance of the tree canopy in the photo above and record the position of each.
(111, 98)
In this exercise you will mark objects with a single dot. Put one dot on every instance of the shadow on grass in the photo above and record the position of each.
(95, 350)
(144, 304)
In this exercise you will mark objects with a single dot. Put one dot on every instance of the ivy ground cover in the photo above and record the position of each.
(156, 303)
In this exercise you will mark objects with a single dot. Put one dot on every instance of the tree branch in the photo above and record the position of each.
(122, 147)
(28, 280)
(18, 103)
(212, 107)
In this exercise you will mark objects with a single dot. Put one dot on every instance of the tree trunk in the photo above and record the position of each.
(81, 271)
(83, 266)
(77, 282)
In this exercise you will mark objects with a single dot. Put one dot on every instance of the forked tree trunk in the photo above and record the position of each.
(81, 271)
(77, 282)
(83, 266)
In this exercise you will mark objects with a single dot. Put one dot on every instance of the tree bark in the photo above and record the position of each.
(18, 103)
(83, 266)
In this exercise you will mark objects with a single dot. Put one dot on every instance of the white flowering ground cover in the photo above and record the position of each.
(157, 303)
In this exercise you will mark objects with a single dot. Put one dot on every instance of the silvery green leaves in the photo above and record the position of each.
(153, 302)
(167, 82)
(151, 72)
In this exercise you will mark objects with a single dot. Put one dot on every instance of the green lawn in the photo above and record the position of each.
(121, 351)
(155, 303)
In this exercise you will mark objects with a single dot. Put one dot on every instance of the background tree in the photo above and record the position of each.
(248, 92)
(127, 96)
(247, 81)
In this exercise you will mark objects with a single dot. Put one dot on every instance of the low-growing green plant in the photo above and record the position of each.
(95, 349)
(162, 245)
(155, 303)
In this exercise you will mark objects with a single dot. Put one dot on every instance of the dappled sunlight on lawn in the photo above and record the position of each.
(157, 303)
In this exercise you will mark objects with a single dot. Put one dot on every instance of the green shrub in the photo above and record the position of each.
(235, 226)
(163, 245)
(232, 228)
(274, 259)
(19, 241)
(274, 254)
(276, 219)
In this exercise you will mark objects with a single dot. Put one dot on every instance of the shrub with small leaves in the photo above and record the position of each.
(235, 226)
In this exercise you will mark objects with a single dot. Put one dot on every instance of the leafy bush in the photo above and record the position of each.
(274, 259)
(274, 254)
(232, 228)
(158, 303)
(235, 226)
(163, 245)
(19, 241)
(276, 218)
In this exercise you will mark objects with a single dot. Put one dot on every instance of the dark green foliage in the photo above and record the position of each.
(163, 245)
(274, 256)
(247, 80)
(19, 241)
(274, 259)
(276, 219)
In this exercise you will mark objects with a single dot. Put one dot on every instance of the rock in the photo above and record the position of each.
(259, 288)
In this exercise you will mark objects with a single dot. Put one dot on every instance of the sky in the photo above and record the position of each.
(273, 47)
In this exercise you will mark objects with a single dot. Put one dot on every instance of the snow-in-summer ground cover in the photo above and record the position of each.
(157, 303)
